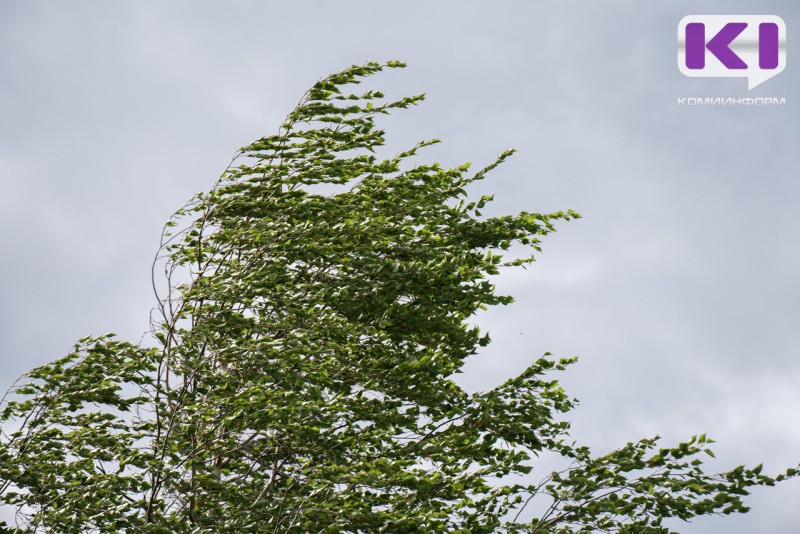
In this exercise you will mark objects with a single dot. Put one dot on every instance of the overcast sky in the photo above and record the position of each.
(679, 288)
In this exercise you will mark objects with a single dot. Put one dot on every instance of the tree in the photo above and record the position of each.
(300, 377)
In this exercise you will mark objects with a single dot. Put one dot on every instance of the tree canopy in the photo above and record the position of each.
(300, 374)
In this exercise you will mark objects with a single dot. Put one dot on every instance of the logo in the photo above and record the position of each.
(732, 46)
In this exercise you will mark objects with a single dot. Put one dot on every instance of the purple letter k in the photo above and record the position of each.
(718, 45)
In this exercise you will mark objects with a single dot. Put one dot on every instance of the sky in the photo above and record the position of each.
(678, 289)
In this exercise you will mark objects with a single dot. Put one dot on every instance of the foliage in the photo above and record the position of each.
(302, 374)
